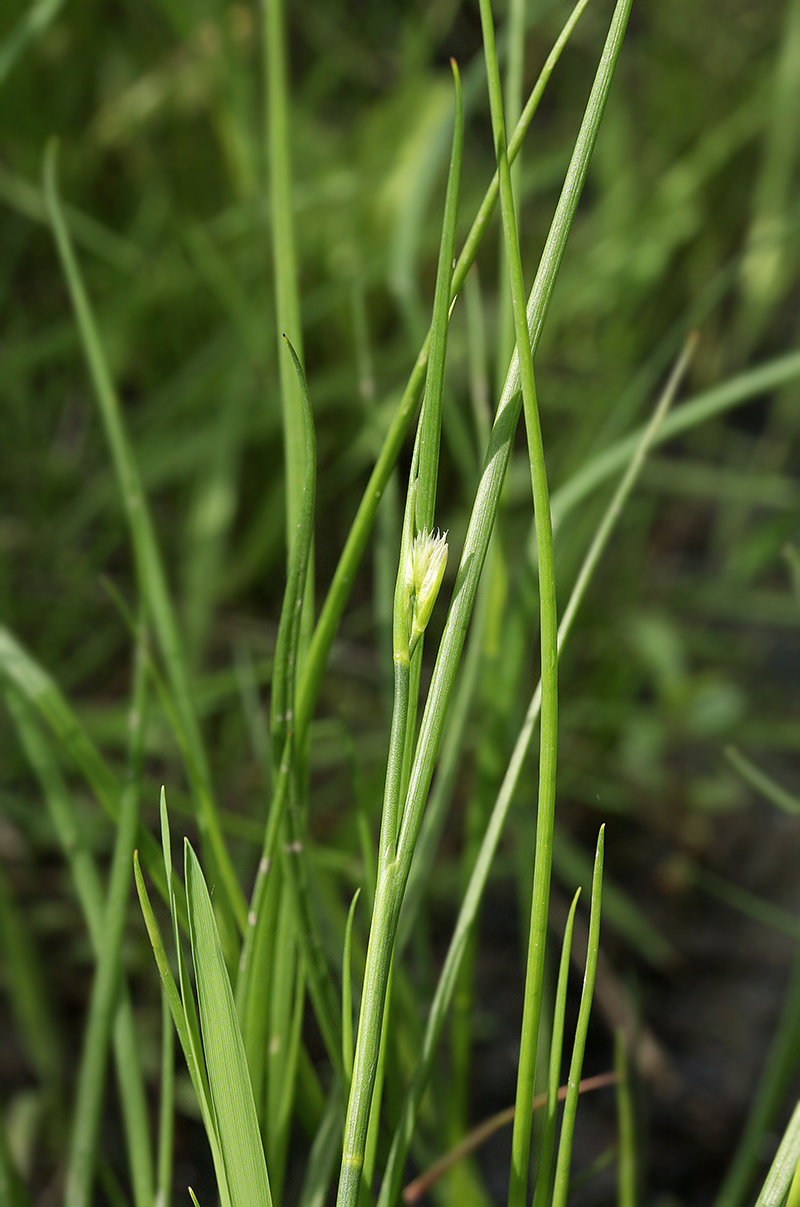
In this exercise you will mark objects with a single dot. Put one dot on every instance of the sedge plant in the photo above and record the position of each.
(259, 943)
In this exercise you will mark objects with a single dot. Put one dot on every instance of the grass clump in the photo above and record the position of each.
(290, 351)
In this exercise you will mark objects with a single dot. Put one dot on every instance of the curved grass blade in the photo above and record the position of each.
(104, 995)
(347, 992)
(150, 571)
(626, 1125)
(228, 1077)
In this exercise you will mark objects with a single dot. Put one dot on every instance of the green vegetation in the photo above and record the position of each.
(384, 389)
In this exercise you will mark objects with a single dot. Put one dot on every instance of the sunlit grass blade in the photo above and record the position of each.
(104, 995)
(784, 1168)
(626, 1126)
(150, 571)
(228, 1077)
(561, 1186)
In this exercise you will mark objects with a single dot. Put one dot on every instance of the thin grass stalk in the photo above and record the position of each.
(471, 899)
(547, 1142)
(391, 887)
(184, 1020)
(561, 1187)
(105, 987)
(548, 747)
(166, 1108)
(626, 1126)
(361, 527)
(150, 572)
(89, 891)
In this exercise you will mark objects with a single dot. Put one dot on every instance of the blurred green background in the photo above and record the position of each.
(690, 221)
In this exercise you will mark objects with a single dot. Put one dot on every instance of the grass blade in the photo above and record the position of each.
(228, 1077)
(784, 1167)
(102, 1005)
(150, 571)
(581, 1030)
(547, 1142)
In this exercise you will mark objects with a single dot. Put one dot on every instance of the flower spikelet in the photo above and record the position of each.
(427, 561)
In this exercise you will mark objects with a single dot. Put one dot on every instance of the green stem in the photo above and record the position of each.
(339, 591)
(548, 732)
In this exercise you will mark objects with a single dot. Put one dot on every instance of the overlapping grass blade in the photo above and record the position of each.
(150, 572)
(364, 1099)
(185, 1022)
(228, 1077)
(477, 883)
(104, 995)
(544, 1170)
